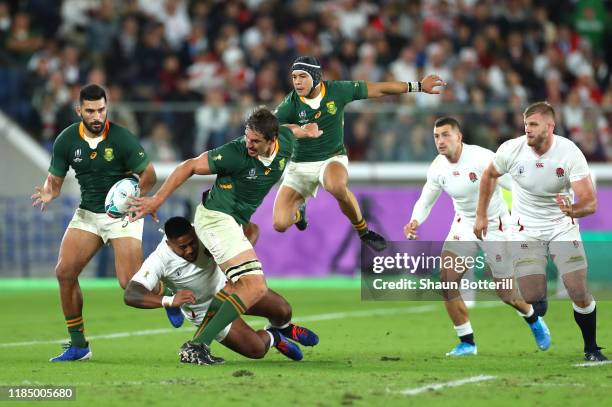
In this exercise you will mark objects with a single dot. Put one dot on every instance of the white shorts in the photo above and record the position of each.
(221, 234)
(107, 228)
(305, 177)
(196, 313)
(462, 241)
(563, 243)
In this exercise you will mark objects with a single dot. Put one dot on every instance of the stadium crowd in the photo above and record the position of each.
(191, 70)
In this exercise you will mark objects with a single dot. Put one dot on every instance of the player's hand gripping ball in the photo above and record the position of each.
(117, 200)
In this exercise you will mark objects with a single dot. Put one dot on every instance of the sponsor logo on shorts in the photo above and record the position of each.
(331, 107)
(108, 154)
(498, 258)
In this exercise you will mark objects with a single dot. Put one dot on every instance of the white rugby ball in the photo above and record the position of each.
(117, 203)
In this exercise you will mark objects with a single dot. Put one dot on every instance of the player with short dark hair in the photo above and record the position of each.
(323, 161)
(100, 153)
(182, 262)
(246, 169)
(457, 170)
(549, 171)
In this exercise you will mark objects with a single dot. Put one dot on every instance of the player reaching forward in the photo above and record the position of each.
(101, 153)
(323, 161)
(544, 168)
(182, 262)
(457, 170)
(246, 169)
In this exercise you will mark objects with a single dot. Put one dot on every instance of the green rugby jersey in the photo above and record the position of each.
(243, 181)
(329, 117)
(97, 169)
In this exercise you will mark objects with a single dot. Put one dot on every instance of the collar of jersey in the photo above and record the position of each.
(268, 160)
(322, 94)
(104, 132)
(552, 145)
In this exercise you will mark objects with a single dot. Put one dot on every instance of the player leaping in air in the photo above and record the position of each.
(323, 161)
(246, 169)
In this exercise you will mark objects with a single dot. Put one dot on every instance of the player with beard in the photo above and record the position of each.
(100, 153)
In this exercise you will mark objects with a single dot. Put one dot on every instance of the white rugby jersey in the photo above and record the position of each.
(460, 180)
(203, 277)
(538, 179)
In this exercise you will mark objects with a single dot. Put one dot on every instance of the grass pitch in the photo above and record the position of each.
(371, 353)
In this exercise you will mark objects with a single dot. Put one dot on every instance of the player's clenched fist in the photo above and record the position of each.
(410, 230)
(183, 297)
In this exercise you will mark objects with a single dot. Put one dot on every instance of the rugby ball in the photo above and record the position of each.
(117, 203)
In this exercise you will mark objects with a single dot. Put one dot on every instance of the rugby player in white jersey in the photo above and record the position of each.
(457, 170)
(182, 262)
(545, 168)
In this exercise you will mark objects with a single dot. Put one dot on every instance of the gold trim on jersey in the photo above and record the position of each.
(303, 99)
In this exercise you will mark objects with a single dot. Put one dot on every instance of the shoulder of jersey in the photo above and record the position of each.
(514, 144)
(565, 142)
(72, 130)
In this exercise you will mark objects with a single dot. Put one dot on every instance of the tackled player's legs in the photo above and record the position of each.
(246, 341)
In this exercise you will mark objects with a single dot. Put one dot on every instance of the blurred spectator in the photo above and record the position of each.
(22, 40)
(211, 120)
(496, 57)
(159, 146)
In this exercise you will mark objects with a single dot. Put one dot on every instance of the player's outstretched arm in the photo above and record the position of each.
(136, 295)
(586, 199)
(488, 181)
(143, 206)
(148, 178)
(310, 130)
(428, 85)
(48, 192)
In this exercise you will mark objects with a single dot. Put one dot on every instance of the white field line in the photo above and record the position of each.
(593, 364)
(455, 383)
(309, 318)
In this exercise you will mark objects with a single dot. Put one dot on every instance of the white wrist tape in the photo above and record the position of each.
(167, 301)
(414, 86)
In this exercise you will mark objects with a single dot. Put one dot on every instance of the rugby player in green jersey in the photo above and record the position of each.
(246, 169)
(100, 153)
(323, 161)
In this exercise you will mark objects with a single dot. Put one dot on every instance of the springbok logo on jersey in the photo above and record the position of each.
(331, 107)
(473, 177)
(252, 174)
(77, 156)
(281, 164)
(560, 172)
(108, 154)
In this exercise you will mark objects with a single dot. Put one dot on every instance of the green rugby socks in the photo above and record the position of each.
(231, 308)
(76, 330)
